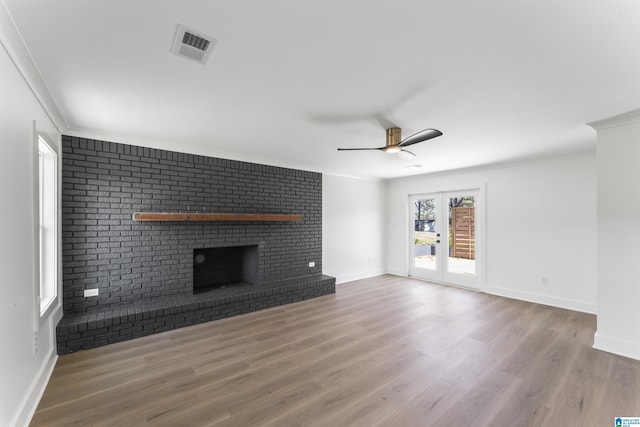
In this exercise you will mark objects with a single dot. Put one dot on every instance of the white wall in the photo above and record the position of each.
(23, 373)
(353, 222)
(618, 154)
(540, 219)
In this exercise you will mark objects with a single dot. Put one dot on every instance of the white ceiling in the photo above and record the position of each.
(289, 81)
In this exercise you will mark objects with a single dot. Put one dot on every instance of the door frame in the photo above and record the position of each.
(478, 282)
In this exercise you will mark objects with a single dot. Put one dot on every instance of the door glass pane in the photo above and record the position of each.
(424, 214)
(462, 236)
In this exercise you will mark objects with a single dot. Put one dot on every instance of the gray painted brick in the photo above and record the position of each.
(105, 182)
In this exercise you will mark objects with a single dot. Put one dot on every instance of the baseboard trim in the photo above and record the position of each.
(616, 346)
(32, 399)
(358, 276)
(569, 304)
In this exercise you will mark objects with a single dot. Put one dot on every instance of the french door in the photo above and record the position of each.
(444, 233)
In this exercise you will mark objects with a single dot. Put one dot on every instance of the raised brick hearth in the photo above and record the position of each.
(127, 321)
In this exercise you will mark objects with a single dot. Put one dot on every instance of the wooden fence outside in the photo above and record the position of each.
(463, 232)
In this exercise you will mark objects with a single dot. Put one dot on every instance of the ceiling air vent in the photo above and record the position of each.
(193, 45)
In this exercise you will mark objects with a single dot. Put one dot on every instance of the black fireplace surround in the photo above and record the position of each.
(226, 266)
(148, 273)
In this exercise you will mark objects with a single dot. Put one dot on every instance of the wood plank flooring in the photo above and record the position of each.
(386, 351)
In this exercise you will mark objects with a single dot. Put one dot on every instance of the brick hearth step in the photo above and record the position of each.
(80, 331)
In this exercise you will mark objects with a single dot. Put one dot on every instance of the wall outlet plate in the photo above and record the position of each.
(312, 264)
(91, 292)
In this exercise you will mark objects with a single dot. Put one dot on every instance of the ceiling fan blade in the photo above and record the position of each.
(406, 154)
(360, 149)
(423, 135)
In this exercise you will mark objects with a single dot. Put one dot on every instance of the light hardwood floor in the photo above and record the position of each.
(386, 351)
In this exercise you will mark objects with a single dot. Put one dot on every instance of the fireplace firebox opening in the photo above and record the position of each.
(220, 267)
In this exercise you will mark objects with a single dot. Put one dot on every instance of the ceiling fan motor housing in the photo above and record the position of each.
(393, 137)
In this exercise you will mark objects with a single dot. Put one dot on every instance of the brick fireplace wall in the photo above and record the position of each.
(105, 182)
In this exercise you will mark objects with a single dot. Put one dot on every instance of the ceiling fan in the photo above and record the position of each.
(395, 145)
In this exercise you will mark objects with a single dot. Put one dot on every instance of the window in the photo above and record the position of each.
(48, 220)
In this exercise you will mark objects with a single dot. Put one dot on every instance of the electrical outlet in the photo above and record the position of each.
(312, 264)
(35, 343)
(91, 292)
(544, 280)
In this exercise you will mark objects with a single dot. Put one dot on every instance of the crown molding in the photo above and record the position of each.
(617, 121)
(13, 43)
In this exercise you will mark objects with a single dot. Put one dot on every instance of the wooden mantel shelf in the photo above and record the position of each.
(194, 216)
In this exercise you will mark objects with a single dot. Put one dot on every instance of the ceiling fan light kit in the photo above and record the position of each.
(395, 144)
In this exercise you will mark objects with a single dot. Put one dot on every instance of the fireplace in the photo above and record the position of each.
(148, 285)
(225, 266)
